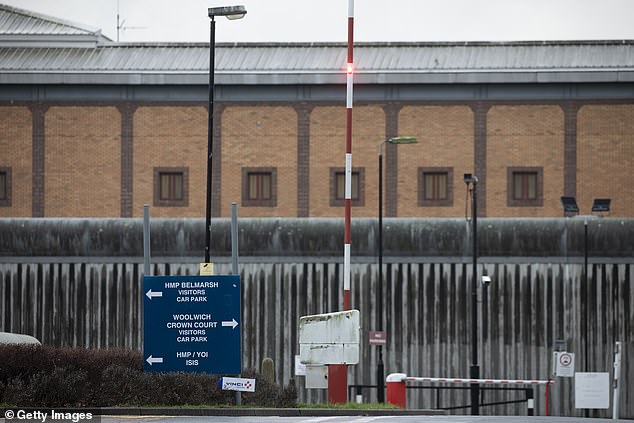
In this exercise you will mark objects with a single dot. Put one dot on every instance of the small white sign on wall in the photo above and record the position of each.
(592, 390)
(564, 364)
(317, 377)
(300, 369)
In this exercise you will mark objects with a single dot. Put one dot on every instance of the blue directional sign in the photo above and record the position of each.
(192, 324)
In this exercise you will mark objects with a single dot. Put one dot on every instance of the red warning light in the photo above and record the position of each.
(349, 68)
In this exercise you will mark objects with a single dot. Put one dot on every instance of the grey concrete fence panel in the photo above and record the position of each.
(77, 282)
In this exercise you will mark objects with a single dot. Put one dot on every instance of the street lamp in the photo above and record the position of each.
(472, 180)
(379, 296)
(231, 12)
(600, 205)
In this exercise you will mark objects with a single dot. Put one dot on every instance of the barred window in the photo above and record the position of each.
(525, 186)
(259, 187)
(435, 186)
(171, 186)
(338, 186)
(5, 187)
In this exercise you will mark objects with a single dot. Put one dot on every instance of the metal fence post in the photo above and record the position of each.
(146, 241)
(530, 401)
(235, 271)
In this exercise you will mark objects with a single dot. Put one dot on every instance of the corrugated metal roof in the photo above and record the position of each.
(39, 49)
(18, 26)
(430, 57)
(328, 58)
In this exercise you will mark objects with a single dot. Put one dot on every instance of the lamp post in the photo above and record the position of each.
(474, 371)
(599, 205)
(232, 13)
(379, 292)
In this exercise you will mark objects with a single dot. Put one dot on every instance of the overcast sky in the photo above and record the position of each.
(375, 20)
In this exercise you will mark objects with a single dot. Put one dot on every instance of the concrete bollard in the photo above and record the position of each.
(396, 389)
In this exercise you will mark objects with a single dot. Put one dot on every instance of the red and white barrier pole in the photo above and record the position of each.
(396, 389)
(338, 373)
(348, 177)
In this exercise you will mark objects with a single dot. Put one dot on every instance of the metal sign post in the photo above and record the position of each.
(146, 241)
(617, 375)
(234, 269)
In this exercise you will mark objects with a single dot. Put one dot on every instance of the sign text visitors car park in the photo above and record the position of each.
(192, 324)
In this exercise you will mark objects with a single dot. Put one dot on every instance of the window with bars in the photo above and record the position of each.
(525, 186)
(435, 186)
(259, 187)
(171, 187)
(338, 186)
(5, 187)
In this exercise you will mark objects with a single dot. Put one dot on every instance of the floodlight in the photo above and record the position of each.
(403, 140)
(569, 204)
(601, 205)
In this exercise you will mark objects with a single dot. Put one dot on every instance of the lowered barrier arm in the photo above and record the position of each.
(397, 386)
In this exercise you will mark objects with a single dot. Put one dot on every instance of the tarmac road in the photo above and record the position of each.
(348, 419)
(265, 415)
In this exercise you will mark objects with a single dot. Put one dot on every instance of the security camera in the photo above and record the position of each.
(486, 280)
(470, 179)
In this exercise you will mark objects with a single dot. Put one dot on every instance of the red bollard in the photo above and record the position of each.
(396, 389)
(337, 383)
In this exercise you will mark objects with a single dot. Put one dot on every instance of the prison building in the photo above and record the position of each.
(90, 127)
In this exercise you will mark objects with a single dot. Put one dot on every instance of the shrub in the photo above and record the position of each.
(268, 394)
(57, 377)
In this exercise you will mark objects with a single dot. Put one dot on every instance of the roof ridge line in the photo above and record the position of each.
(55, 20)
(337, 44)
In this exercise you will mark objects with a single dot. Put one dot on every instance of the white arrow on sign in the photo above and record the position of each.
(232, 323)
(151, 294)
(154, 360)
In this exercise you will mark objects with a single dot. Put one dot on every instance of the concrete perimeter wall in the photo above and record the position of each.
(77, 282)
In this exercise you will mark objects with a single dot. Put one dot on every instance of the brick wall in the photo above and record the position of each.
(16, 153)
(605, 157)
(445, 139)
(259, 136)
(525, 136)
(170, 136)
(328, 149)
(82, 162)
